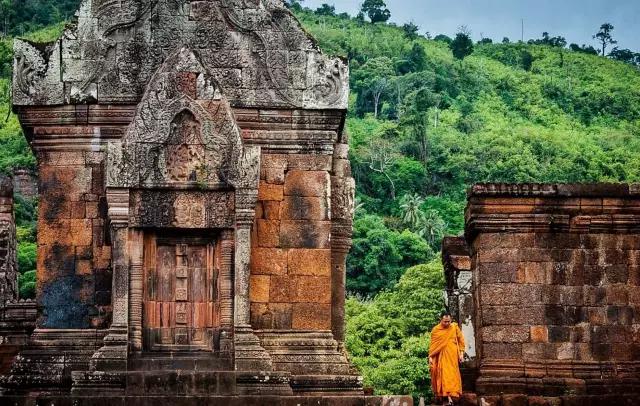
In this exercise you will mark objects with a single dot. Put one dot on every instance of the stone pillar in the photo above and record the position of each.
(249, 354)
(8, 260)
(244, 220)
(137, 275)
(113, 355)
(226, 278)
(342, 207)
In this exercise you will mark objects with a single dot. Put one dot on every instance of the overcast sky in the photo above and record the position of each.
(576, 20)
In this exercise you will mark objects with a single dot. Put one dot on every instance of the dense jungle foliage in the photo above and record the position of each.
(428, 117)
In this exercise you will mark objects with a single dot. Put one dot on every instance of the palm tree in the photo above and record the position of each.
(432, 228)
(410, 206)
(358, 206)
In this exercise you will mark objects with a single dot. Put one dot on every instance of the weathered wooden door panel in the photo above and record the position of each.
(179, 309)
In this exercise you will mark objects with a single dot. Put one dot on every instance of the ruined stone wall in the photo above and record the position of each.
(291, 253)
(25, 183)
(556, 272)
(74, 277)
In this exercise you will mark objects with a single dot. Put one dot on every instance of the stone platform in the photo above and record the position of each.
(471, 399)
(214, 400)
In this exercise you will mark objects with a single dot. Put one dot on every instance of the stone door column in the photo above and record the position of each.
(249, 354)
(113, 355)
(342, 210)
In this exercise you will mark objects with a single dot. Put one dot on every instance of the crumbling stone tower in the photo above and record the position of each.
(196, 203)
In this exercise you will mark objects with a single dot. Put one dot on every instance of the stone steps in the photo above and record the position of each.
(180, 383)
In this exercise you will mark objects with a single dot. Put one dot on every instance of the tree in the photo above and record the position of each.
(294, 5)
(432, 228)
(410, 206)
(462, 45)
(387, 337)
(527, 60)
(326, 10)
(624, 55)
(379, 87)
(376, 10)
(559, 42)
(443, 38)
(372, 80)
(485, 41)
(604, 37)
(381, 156)
(583, 49)
(410, 31)
(380, 255)
(414, 61)
(506, 40)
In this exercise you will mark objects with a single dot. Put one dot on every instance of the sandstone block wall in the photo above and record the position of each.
(291, 251)
(556, 286)
(74, 276)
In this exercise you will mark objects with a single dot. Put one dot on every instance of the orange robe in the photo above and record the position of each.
(446, 345)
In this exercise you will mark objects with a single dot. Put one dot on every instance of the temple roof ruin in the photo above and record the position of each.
(256, 51)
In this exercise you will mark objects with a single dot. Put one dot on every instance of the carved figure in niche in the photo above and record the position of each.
(185, 149)
(189, 211)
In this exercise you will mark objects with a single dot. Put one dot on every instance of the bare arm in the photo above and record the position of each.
(461, 346)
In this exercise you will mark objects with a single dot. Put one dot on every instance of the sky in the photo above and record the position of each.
(576, 20)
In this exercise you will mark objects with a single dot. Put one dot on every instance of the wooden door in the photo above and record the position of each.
(179, 308)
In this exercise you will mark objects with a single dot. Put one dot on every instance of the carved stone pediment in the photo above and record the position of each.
(183, 135)
(255, 49)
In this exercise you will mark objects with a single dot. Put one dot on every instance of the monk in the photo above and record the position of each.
(445, 352)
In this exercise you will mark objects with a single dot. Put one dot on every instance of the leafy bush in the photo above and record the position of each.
(27, 285)
(27, 256)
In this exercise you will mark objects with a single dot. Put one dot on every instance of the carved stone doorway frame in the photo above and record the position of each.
(127, 241)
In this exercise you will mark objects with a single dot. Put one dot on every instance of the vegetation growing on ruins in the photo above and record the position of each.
(424, 125)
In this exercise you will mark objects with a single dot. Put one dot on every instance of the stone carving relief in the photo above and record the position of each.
(343, 198)
(184, 133)
(185, 151)
(255, 49)
(8, 266)
(189, 211)
(161, 208)
(36, 74)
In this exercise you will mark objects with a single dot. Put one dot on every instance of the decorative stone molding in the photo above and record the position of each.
(304, 353)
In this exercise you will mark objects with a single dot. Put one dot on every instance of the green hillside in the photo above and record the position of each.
(423, 127)
(509, 112)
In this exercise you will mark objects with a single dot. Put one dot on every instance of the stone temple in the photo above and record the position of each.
(195, 210)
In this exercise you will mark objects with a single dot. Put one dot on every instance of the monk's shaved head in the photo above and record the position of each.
(445, 319)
